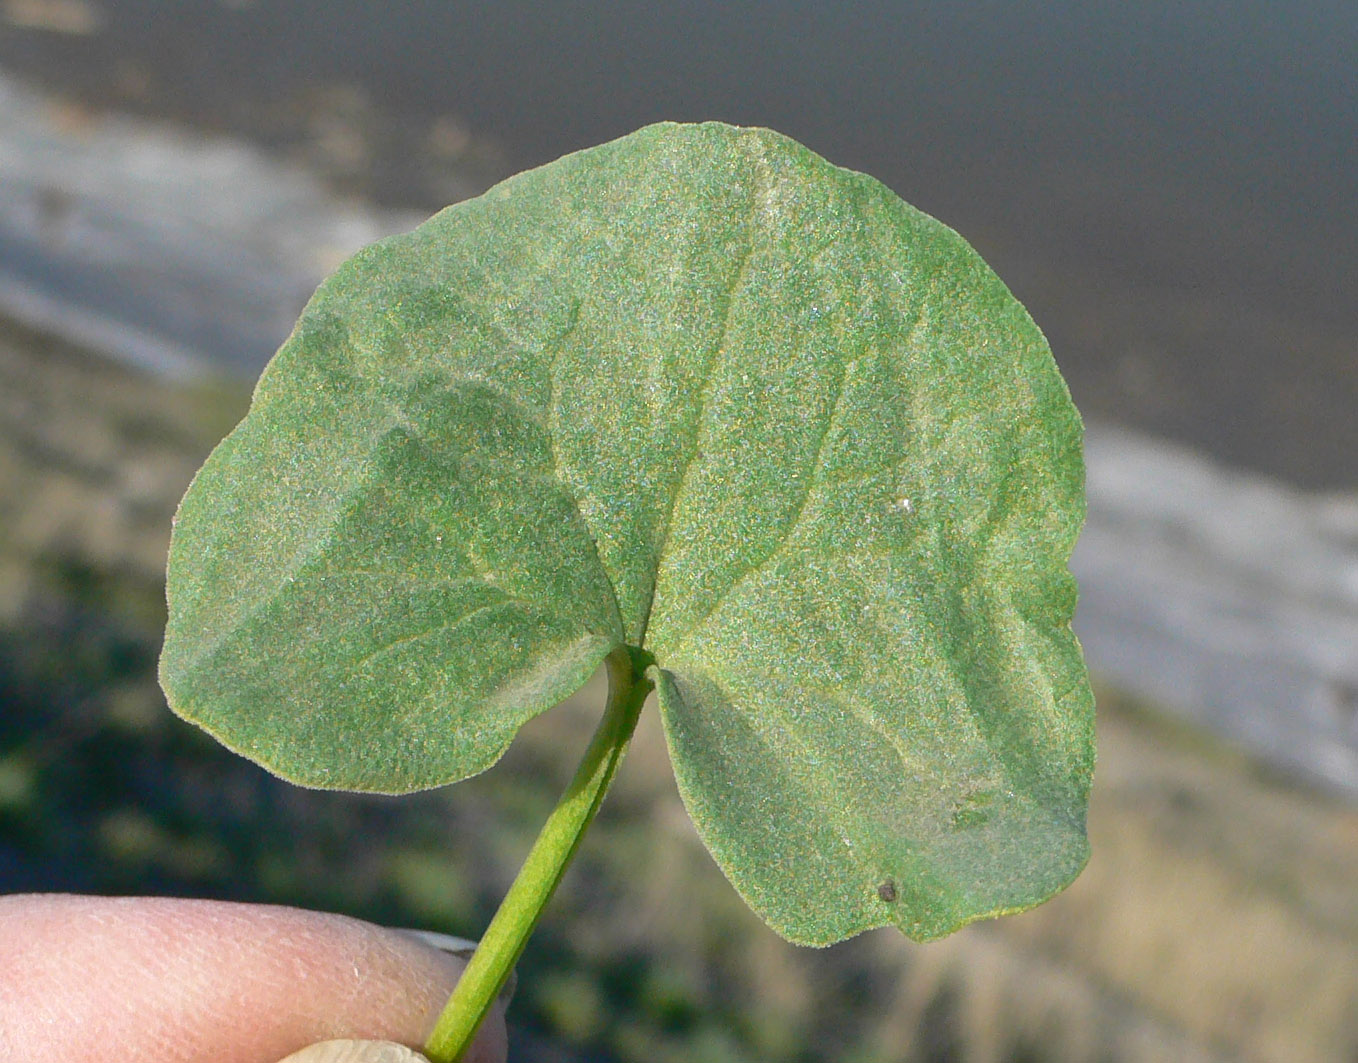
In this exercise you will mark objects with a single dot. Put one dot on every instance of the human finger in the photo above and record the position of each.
(155, 980)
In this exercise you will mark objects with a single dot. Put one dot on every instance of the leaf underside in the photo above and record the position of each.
(700, 392)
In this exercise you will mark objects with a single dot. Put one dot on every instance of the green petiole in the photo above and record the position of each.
(546, 863)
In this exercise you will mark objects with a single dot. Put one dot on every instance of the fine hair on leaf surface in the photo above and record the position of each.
(699, 393)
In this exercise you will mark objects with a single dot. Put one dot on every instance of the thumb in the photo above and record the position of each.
(148, 980)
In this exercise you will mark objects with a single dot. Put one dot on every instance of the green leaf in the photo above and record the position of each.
(700, 392)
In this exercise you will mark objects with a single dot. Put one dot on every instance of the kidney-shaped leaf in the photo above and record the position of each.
(700, 392)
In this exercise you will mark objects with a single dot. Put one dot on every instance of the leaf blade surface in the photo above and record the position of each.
(702, 392)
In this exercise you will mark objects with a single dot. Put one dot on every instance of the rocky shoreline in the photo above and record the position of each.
(1228, 597)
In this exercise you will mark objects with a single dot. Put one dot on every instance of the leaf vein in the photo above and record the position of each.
(504, 601)
(863, 714)
(704, 398)
(786, 535)
(826, 780)
(554, 389)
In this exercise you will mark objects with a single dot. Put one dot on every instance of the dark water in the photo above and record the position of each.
(1168, 186)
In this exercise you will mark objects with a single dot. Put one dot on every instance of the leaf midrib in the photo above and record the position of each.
(704, 397)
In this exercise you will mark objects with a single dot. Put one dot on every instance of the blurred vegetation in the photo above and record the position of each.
(1218, 919)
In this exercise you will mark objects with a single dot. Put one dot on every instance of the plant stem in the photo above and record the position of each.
(547, 861)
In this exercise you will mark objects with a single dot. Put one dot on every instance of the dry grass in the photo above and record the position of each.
(92, 459)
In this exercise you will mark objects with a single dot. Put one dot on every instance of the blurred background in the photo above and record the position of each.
(1169, 187)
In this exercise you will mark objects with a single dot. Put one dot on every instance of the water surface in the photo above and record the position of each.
(1168, 186)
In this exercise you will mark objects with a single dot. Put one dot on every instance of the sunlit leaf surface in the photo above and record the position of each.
(702, 392)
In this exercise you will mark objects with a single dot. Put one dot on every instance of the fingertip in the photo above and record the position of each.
(152, 980)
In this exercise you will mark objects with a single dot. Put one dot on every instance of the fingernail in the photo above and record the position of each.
(446, 942)
(356, 1052)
